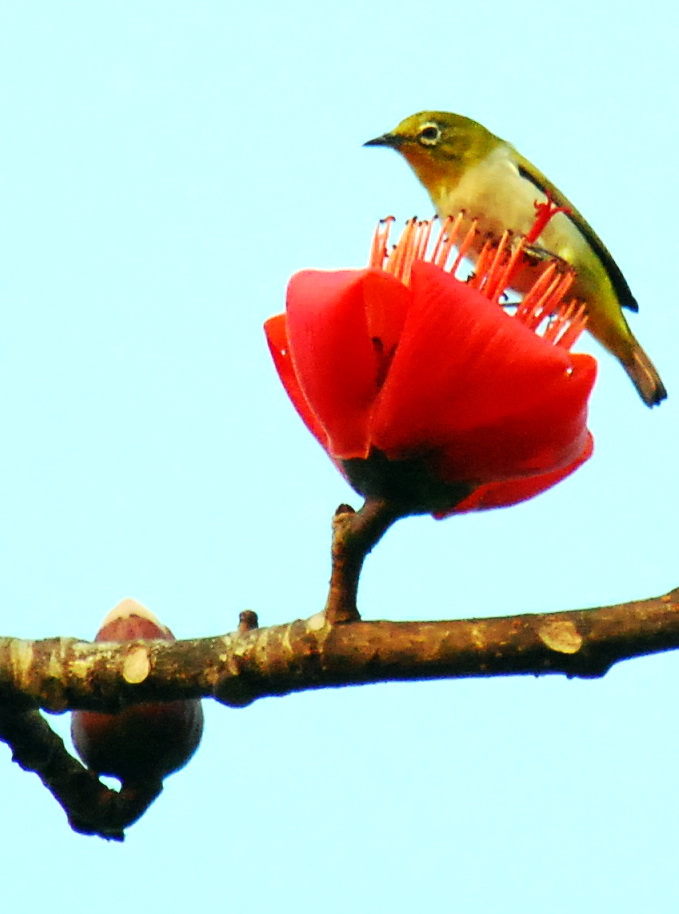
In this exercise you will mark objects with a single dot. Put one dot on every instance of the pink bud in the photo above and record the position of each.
(146, 742)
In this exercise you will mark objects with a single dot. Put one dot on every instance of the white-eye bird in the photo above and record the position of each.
(465, 167)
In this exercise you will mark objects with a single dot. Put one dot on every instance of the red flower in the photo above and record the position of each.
(142, 743)
(423, 389)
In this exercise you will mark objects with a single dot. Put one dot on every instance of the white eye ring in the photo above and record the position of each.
(429, 134)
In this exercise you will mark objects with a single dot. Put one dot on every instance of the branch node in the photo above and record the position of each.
(247, 621)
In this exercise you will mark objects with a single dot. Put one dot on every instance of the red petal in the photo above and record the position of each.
(277, 338)
(461, 364)
(505, 494)
(333, 321)
(544, 438)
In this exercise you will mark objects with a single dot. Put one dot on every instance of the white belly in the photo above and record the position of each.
(499, 198)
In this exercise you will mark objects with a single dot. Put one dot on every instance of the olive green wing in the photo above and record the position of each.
(528, 171)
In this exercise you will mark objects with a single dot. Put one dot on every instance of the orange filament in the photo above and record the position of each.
(378, 249)
(543, 213)
(543, 308)
(446, 240)
(464, 246)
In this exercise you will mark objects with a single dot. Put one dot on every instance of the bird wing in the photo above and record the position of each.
(528, 171)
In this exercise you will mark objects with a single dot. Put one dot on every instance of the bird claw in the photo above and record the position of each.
(536, 256)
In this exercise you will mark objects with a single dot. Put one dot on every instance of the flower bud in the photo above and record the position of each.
(145, 742)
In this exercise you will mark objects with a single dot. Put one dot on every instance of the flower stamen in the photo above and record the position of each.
(492, 277)
(566, 327)
(446, 240)
(543, 305)
(543, 213)
(424, 234)
(378, 248)
(464, 247)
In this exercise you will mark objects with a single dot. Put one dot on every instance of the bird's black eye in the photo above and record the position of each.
(429, 135)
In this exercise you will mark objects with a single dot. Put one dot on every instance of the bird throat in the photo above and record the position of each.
(438, 174)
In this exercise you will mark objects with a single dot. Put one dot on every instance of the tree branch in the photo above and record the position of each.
(91, 807)
(57, 674)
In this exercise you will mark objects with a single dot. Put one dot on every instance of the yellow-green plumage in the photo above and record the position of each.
(465, 167)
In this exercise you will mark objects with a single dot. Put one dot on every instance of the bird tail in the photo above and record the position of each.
(644, 376)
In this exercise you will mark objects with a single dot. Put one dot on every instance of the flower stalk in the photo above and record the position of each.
(354, 534)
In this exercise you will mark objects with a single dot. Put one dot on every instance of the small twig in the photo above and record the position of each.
(354, 534)
(91, 807)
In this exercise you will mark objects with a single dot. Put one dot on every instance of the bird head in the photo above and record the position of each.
(439, 146)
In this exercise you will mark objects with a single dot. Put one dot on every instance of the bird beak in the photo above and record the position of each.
(387, 139)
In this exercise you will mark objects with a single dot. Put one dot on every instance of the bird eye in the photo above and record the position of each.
(429, 135)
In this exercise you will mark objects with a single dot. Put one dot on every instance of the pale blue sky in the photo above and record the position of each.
(165, 168)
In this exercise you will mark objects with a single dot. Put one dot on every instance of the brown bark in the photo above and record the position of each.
(57, 674)
(91, 807)
(237, 668)
(332, 648)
